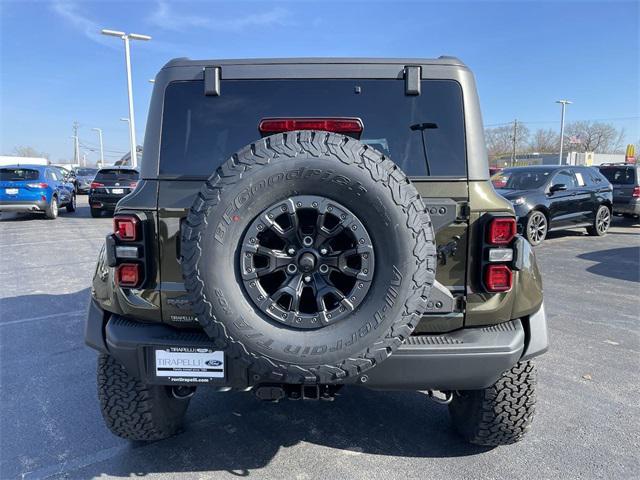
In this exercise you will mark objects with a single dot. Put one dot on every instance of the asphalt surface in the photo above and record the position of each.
(586, 425)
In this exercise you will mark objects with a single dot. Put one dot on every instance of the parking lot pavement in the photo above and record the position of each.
(586, 426)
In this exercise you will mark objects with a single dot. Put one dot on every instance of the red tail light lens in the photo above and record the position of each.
(126, 228)
(351, 126)
(501, 231)
(128, 275)
(38, 185)
(636, 192)
(498, 278)
(96, 185)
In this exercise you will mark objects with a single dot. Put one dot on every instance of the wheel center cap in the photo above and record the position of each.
(307, 262)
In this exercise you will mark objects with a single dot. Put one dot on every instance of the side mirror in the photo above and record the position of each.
(558, 187)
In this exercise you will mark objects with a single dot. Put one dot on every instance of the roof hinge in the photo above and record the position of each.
(212, 81)
(412, 75)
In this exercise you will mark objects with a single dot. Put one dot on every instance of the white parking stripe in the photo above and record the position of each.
(44, 317)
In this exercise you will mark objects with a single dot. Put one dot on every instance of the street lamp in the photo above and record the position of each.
(132, 126)
(564, 104)
(99, 130)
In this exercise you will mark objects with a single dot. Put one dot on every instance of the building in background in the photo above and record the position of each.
(11, 160)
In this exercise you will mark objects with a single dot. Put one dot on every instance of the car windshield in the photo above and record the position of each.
(86, 172)
(619, 175)
(18, 174)
(117, 174)
(200, 132)
(517, 179)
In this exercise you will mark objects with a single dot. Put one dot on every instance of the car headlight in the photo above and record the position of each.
(518, 201)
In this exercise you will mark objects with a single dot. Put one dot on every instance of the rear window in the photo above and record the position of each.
(117, 174)
(86, 172)
(619, 175)
(18, 174)
(200, 132)
(518, 179)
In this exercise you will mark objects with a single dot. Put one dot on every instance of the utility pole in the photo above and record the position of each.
(99, 130)
(76, 144)
(564, 103)
(515, 140)
(127, 56)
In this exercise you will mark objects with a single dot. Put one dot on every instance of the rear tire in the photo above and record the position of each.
(601, 222)
(71, 206)
(96, 212)
(500, 414)
(52, 210)
(134, 410)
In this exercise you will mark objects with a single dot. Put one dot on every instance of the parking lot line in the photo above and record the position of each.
(44, 317)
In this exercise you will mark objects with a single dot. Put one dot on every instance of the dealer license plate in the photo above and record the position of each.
(11, 191)
(117, 191)
(189, 363)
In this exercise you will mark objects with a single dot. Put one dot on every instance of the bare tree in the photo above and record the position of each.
(594, 137)
(545, 141)
(500, 140)
(26, 151)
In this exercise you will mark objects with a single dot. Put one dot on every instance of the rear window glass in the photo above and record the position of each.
(117, 174)
(86, 172)
(619, 175)
(18, 174)
(200, 132)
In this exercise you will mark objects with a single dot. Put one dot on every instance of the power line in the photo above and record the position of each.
(556, 121)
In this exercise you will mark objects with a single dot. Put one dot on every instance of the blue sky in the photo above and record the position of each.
(56, 68)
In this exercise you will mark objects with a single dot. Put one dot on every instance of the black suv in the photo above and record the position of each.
(109, 186)
(625, 179)
(303, 225)
(548, 198)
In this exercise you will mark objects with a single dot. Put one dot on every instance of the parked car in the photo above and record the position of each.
(108, 187)
(554, 197)
(35, 189)
(84, 177)
(68, 177)
(287, 248)
(625, 179)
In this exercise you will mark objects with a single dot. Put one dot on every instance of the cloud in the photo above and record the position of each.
(164, 17)
(69, 11)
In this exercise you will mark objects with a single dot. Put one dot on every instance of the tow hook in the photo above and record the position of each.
(182, 392)
(443, 398)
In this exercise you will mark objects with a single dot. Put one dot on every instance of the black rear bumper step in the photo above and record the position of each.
(467, 359)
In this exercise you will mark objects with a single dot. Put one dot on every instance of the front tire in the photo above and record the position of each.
(96, 212)
(52, 210)
(537, 227)
(71, 206)
(500, 414)
(134, 410)
(601, 222)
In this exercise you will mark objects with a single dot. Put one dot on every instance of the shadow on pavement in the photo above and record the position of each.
(618, 263)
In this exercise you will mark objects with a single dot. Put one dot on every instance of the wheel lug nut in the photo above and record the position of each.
(307, 279)
(323, 251)
(291, 251)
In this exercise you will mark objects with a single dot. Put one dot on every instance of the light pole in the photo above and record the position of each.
(132, 124)
(564, 104)
(99, 130)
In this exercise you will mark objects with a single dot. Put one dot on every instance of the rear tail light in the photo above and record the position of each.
(352, 126)
(636, 191)
(126, 228)
(498, 278)
(501, 231)
(128, 275)
(133, 184)
(38, 185)
(96, 185)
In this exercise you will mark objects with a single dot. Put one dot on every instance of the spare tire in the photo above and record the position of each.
(308, 256)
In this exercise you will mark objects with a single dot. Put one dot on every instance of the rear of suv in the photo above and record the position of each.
(625, 178)
(305, 224)
(109, 186)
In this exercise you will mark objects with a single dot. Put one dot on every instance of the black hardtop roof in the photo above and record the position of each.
(442, 60)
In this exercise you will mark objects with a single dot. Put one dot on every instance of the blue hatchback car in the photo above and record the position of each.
(35, 189)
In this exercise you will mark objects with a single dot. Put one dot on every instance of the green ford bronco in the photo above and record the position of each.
(305, 224)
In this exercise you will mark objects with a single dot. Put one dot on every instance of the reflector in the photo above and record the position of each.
(498, 278)
(128, 274)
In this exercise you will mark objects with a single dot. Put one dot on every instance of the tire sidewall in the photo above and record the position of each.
(278, 181)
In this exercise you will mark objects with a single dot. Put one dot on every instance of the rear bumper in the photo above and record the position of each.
(467, 359)
(23, 206)
(632, 207)
(106, 202)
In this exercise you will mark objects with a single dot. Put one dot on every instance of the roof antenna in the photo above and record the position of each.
(422, 127)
